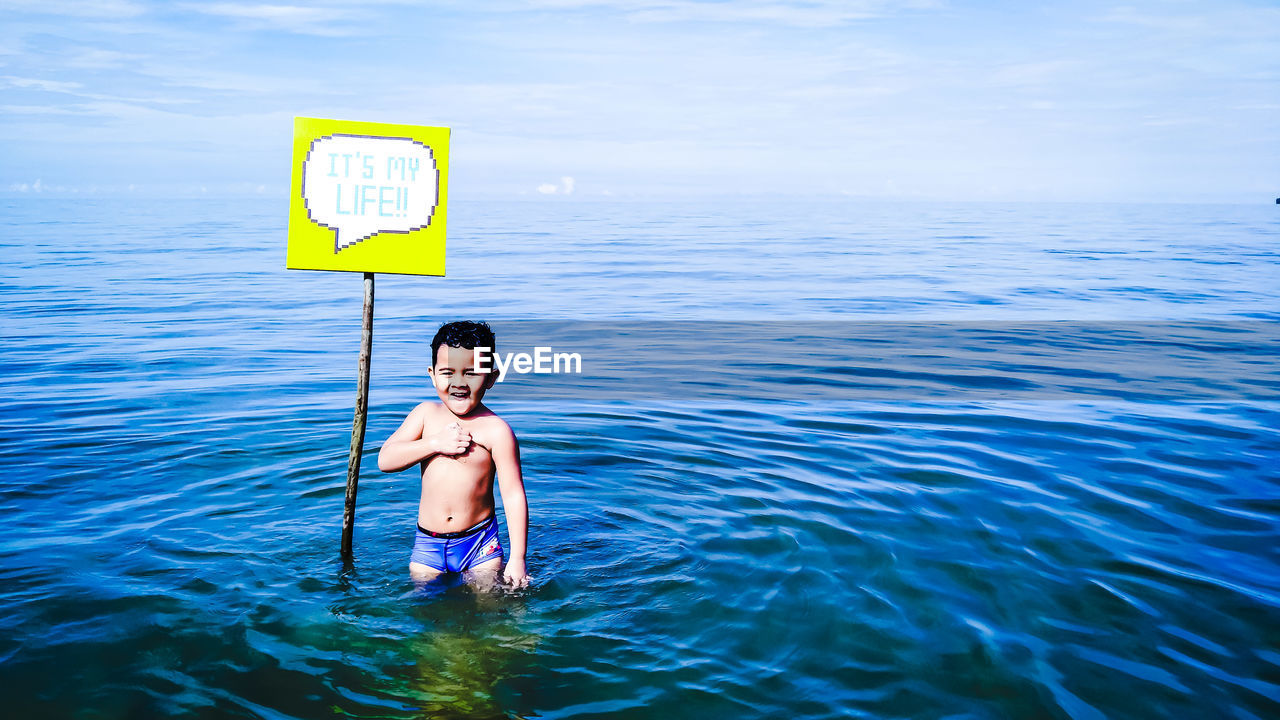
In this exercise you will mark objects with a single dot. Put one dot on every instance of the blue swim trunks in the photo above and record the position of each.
(457, 551)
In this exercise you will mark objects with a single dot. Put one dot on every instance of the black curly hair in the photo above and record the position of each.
(464, 334)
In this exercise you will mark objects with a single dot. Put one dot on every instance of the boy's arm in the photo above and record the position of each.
(506, 461)
(408, 446)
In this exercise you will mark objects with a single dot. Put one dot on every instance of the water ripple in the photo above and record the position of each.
(1023, 518)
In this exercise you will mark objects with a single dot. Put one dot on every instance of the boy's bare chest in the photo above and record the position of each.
(476, 462)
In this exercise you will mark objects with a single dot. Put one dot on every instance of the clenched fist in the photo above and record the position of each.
(451, 440)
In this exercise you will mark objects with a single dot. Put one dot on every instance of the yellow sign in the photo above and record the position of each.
(368, 197)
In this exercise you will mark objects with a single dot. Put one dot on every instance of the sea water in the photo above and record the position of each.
(823, 459)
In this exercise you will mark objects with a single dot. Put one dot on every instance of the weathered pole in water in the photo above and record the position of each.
(357, 425)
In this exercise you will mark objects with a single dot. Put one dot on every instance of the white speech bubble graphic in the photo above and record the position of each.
(361, 185)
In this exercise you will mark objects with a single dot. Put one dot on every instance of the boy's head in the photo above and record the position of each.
(454, 359)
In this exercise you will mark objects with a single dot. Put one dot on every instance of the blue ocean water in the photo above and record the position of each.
(824, 460)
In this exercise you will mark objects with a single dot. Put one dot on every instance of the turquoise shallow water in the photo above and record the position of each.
(824, 460)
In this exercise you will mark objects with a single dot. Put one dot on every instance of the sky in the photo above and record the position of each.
(589, 99)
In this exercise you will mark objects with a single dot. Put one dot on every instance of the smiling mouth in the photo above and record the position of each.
(460, 395)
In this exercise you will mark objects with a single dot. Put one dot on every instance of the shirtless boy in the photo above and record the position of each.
(460, 445)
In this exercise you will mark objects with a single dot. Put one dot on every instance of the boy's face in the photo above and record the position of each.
(457, 383)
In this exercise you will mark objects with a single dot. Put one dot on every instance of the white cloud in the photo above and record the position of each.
(238, 83)
(807, 13)
(1036, 73)
(325, 21)
(41, 110)
(96, 59)
(564, 188)
(77, 90)
(76, 8)
(46, 85)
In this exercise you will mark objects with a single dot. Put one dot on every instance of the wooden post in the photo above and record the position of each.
(357, 426)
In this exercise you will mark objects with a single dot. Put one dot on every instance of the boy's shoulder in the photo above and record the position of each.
(430, 414)
(489, 429)
(489, 418)
(426, 409)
